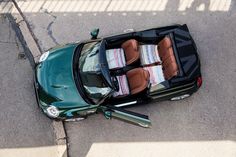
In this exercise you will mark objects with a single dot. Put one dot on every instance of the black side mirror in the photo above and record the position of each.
(94, 33)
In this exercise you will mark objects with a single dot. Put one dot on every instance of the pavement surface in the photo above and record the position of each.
(202, 125)
(25, 131)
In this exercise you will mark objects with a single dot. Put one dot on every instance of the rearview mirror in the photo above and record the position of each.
(94, 33)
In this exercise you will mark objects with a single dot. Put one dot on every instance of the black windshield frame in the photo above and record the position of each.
(104, 64)
(104, 69)
(77, 79)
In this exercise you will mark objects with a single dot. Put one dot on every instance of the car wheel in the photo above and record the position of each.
(180, 97)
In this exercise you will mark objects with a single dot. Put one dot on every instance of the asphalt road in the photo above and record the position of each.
(209, 115)
(23, 128)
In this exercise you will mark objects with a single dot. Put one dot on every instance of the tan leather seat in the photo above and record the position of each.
(166, 53)
(138, 80)
(163, 45)
(131, 51)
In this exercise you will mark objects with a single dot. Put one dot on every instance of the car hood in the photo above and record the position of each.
(55, 78)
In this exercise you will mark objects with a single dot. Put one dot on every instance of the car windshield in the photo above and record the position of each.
(90, 73)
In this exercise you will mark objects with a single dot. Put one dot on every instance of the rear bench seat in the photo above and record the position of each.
(166, 53)
(159, 60)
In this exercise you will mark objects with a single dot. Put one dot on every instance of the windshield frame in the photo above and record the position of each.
(104, 71)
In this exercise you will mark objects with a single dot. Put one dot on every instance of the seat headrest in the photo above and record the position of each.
(132, 43)
(165, 43)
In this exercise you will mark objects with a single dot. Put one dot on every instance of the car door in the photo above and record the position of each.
(125, 115)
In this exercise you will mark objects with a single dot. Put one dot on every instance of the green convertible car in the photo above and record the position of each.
(112, 73)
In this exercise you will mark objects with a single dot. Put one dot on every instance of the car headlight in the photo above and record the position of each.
(52, 111)
(44, 56)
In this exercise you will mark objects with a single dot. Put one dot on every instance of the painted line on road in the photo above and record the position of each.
(41, 151)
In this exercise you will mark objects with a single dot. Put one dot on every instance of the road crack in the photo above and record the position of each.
(49, 27)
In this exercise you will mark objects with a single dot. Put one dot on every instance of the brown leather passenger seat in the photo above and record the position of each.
(138, 79)
(166, 53)
(131, 51)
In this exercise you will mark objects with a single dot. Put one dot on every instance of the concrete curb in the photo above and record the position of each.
(35, 51)
(28, 35)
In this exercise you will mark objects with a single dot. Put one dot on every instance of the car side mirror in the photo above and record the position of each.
(94, 33)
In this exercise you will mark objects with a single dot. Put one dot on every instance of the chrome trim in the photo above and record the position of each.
(155, 97)
(180, 97)
(126, 104)
(170, 89)
(74, 119)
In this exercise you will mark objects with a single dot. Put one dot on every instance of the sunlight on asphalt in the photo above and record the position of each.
(35, 6)
(164, 149)
(44, 151)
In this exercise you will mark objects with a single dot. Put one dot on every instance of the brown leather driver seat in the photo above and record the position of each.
(138, 80)
(166, 53)
(131, 51)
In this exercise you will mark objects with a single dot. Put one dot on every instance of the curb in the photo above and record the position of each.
(30, 42)
(28, 35)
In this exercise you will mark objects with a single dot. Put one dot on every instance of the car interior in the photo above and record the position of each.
(140, 63)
